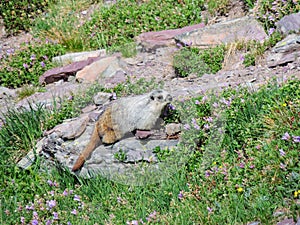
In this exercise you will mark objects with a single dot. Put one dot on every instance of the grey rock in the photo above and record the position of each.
(173, 129)
(70, 129)
(7, 93)
(142, 134)
(63, 73)
(52, 96)
(103, 68)
(89, 108)
(78, 56)
(286, 222)
(298, 221)
(254, 223)
(29, 159)
(241, 29)
(2, 28)
(285, 51)
(289, 23)
(102, 98)
(150, 41)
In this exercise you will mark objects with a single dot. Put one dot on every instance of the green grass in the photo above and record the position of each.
(246, 177)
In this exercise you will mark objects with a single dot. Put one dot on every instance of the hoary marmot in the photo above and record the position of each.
(123, 116)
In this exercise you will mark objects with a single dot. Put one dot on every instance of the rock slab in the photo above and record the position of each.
(241, 29)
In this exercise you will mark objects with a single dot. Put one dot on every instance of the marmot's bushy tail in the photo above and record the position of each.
(94, 142)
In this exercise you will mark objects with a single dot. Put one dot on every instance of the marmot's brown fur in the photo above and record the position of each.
(123, 116)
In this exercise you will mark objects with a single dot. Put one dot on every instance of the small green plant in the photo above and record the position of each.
(191, 60)
(162, 154)
(137, 87)
(120, 155)
(28, 90)
(26, 65)
(217, 7)
(256, 49)
(19, 15)
(128, 50)
(269, 12)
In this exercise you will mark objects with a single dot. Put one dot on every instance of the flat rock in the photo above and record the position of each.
(289, 23)
(78, 56)
(71, 129)
(54, 92)
(285, 51)
(64, 72)
(103, 68)
(2, 28)
(102, 98)
(150, 41)
(241, 29)
(286, 222)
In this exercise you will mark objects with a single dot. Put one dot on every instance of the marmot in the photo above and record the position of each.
(123, 116)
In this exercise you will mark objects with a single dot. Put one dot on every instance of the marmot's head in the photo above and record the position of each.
(160, 97)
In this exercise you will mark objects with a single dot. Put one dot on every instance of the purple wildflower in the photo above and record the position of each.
(35, 215)
(197, 102)
(209, 209)
(215, 105)
(296, 139)
(43, 64)
(69, 223)
(77, 198)
(286, 136)
(74, 212)
(207, 173)
(171, 107)
(251, 166)
(242, 58)
(282, 166)
(282, 153)
(187, 127)
(45, 57)
(51, 204)
(49, 222)
(206, 126)
(180, 195)
(50, 183)
(55, 215)
(204, 99)
(34, 222)
(208, 119)
(25, 65)
(65, 193)
(32, 57)
(271, 31)
(22, 220)
(242, 165)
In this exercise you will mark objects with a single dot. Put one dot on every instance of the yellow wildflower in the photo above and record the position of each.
(240, 189)
(284, 105)
(296, 193)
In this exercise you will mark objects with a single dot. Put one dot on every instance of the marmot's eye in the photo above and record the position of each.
(152, 97)
(160, 97)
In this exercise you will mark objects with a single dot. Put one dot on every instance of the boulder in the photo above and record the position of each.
(100, 69)
(102, 98)
(78, 56)
(241, 29)
(150, 41)
(2, 28)
(289, 23)
(64, 72)
(70, 129)
(285, 51)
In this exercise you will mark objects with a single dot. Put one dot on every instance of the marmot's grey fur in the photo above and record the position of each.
(124, 116)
